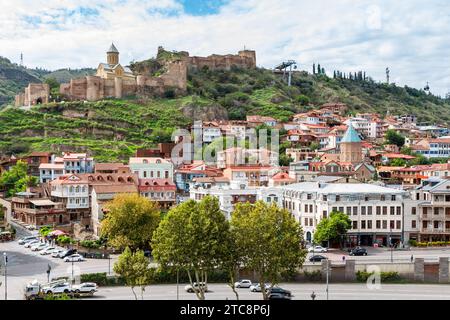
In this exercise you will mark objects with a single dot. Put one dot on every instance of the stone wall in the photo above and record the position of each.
(244, 59)
(35, 93)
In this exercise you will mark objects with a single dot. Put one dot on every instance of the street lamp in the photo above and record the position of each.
(328, 265)
(5, 257)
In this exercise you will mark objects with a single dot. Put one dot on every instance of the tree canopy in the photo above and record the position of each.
(16, 179)
(332, 228)
(130, 221)
(393, 137)
(269, 239)
(192, 236)
(134, 269)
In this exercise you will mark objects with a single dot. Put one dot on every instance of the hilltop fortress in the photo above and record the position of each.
(112, 80)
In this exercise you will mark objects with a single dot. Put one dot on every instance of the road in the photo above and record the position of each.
(24, 266)
(300, 292)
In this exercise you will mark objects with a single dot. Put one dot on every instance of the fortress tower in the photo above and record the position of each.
(113, 55)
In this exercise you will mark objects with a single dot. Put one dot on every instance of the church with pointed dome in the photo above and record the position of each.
(351, 147)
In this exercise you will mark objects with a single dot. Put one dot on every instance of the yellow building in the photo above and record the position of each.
(113, 69)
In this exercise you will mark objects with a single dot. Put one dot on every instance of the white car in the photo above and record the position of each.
(31, 243)
(47, 251)
(57, 252)
(74, 258)
(190, 289)
(57, 288)
(25, 240)
(88, 287)
(318, 249)
(257, 287)
(243, 284)
(39, 247)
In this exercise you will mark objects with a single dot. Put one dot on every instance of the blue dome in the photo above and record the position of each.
(351, 135)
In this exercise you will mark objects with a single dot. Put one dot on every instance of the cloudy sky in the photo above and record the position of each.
(411, 37)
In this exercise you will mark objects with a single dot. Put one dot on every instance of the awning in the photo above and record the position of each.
(40, 203)
(57, 233)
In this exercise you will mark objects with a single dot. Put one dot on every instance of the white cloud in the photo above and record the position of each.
(409, 37)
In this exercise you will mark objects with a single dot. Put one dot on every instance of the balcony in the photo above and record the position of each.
(435, 231)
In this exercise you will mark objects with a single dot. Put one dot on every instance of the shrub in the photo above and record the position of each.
(362, 276)
(313, 276)
(101, 279)
(90, 244)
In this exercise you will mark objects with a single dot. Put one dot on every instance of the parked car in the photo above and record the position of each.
(74, 258)
(57, 288)
(23, 241)
(279, 291)
(39, 247)
(57, 253)
(317, 258)
(190, 288)
(30, 227)
(318, 249)
(88, 287)
(67, 253)
(31, 243)
(278, 296)
(358, 252)
(47, 251)
(243, 284)
(257, 287)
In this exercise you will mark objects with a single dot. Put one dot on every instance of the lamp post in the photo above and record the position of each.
(390, 244)
(178, 281)
(328, 265)
(5, 257)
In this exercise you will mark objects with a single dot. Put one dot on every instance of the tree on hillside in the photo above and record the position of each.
(398, 162)
(393, 137)
(333, 228)
(130, 221)
(192, 237)
(16, 179)
(269, 238)
(134, 269)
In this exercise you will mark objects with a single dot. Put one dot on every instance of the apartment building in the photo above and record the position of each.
(377, 213)
(152, 168)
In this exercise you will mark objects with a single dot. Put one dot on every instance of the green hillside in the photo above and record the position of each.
(113, 129)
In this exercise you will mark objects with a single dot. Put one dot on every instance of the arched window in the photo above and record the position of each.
(60, 219)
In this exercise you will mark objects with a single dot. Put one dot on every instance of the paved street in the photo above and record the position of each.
(24, 266)
(300, 292)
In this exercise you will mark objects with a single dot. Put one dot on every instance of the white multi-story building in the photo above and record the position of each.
(377, 213)
(152, 168)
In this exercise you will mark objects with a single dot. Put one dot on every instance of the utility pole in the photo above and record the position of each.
(328, 266)
(21, 59)
(5, 257)
(388, 75)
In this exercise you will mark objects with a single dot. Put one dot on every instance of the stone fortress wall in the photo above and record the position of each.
(93, 88)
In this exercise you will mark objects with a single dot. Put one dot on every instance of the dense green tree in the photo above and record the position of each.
(398, 163)
(192, 237)
(393, 137)
(133, 267)
(16, 179)
(130, 222)
(333, 228)
(269, 238)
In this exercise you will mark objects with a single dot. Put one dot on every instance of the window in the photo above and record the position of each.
(363, 224)
(355, 224)
(335, 209)
(355, 211)
(338, 198)
(398, 224)
(325, 198)
(366, 198)
(369, 211)
(324, 214)
(311, 222)
(392, 224)
(436, 224)
(145, 174)
(341, 209)
(159, 174)
(399, 211)
(311, 209)
(384, 211)
(417, 196)
(378, 211)
(349, 210)
(393, 197)
(363, 211)
(383, 198)
(306, 208)
(369, 224)
(392, 211)
(413, 211)
(436, 211)
(378, 224)
(414, 224)
(309, 196)
(167, 174)
(384, 224)
(306, 221)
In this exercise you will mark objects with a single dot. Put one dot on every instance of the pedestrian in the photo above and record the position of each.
(313, 296)
(343, 258)
(412, 258)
